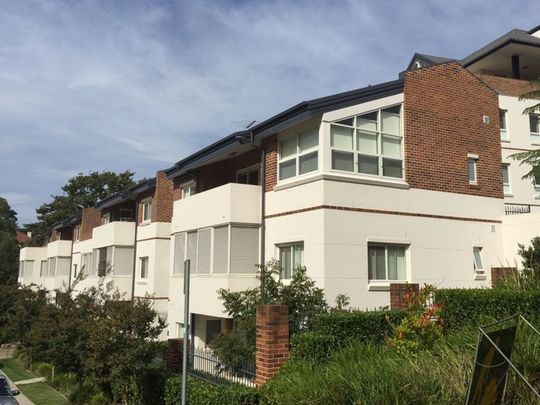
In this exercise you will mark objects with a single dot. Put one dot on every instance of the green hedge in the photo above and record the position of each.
(203, 393)
(472, 307)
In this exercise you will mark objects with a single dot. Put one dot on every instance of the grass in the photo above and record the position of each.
(15, 370)
(41, 393)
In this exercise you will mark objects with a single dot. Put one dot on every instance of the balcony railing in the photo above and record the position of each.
(514, 209)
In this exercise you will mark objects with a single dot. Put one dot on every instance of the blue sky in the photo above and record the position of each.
(115, 85)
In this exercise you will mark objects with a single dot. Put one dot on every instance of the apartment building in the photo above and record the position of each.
(405, 181)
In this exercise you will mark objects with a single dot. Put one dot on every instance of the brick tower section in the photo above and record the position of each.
(399, 292)
(91, 218)
(270, 145)
(272, 341)
(448, 114)
(162, 202)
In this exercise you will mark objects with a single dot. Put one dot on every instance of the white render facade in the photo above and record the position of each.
(332, 184)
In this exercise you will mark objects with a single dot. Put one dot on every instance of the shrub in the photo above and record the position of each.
(203, 393)
(312, 346)
(43, 370)
(149, 386)
(372, 326)
(86, 393)
(463, 307)
(65, 383)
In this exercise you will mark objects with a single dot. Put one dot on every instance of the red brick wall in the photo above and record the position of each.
(220, 173)
(443, 111)
(500, 273)
(270, 145)
(399, 292)
(162, 204)
(91, 218)
(272, 341)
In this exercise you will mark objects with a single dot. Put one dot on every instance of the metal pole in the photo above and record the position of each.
(187, 264)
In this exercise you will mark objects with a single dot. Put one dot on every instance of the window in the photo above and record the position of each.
(477, 260)
(534, 123)
(189, 190)
(85, 262)
(386, 262)
(221, 250)
(506, 179)
(103, 260)
(299, 154)
(503, 128)
(74, 271)
(144, 267)
(51, 266)
(537, 184)
(290, 257)
(179, 253)
(370, 143)
(472, 163)
(204, 251)
(146, 210)
(213, 329)
(43, 269)
(106, 218)
(249, 175)
(126, 215)
(77, 233)
(179, 330)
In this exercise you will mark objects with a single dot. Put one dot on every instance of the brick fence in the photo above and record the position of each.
(399, 292)
(500, 273)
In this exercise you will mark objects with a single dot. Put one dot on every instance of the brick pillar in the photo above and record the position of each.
(272, 341)
(398, 294)
(173, 359)
(500, 273)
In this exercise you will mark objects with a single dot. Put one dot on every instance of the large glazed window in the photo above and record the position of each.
(290, 257)
(503, 127)
(387, 262)
(298, 154)
(534, 124)
(369, 144)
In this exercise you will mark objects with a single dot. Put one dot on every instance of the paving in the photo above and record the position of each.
(21, 398)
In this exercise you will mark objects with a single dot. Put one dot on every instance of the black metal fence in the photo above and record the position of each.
(205, 365)
(513, 209)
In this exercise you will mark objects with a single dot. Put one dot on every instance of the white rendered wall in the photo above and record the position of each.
(521, 229)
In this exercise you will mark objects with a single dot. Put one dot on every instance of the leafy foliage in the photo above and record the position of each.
(83, 190)
(9, 248)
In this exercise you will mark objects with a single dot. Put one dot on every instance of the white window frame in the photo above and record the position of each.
(106, 218)
(144, 259)
(146, 213)
(534, 136)
(291, 246)
(478, 267)
(386, 281)
(472, 158)
(379, 133)
(248, 170)
(507, 187)
(298, 155)
(188, 189)
(77, 232)
(504, 133)
(124, 218)
(536, 188)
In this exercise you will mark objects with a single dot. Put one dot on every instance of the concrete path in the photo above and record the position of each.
(21, 398)
(30, 381)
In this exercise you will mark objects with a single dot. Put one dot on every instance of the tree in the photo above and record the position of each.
(530, 158)
(9, 248)
(83, 190)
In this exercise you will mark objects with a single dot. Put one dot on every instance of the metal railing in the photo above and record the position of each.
(205, 365)
(514, 209)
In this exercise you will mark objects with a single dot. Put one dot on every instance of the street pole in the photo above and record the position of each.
(186, 329)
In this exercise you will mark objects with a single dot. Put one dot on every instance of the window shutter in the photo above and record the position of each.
(179, 253)
(203, 251)
(192, 251)
(221, 249)
(244, 249)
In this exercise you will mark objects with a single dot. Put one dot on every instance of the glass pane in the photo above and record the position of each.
(298, 255)
(477, 259)
(348, 121)
(396, 263)
(285, 261)
(287, 169)
(242, 178)
(342, 137)
(502, 119)
(287, 147)
(253, 178)
(367, 122)
(390, 122)
(504, 134)
(534, 122)
(505, 175)
(472, 170)
(308, 140)
(368, 164)
(391, 146)
(535, 138)
(392, 168)
(367, 142)
(308, 163)
(342, 161)
(376, 263)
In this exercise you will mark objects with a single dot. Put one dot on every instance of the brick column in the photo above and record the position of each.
(500, 273)
(272, 341)
(173, 358)
(398, 294)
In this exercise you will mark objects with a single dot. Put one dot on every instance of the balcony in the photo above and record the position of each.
(230, 203)
(114, 234)
(59, 248)
(515, 209)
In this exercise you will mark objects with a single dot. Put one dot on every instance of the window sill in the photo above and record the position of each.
(346, 178)
(144, 223)
(505, 140)
(142, 282)
(379, 286)
(509, 195)
(480, 277)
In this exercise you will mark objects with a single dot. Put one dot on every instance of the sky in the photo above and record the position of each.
(139, 85)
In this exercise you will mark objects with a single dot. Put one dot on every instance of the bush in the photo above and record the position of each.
(150, 386)
(87, 393)
(43, 370)
(373, 326)
(203, 393)
(312, 346)
(65, 383)
(464, 307)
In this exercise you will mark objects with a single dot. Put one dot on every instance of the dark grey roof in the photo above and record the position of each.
(298, 113)
(126, 195)
(429, 60)
(515, 36)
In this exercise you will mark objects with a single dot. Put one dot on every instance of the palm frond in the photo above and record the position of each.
(534, 94)
(530, 158)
